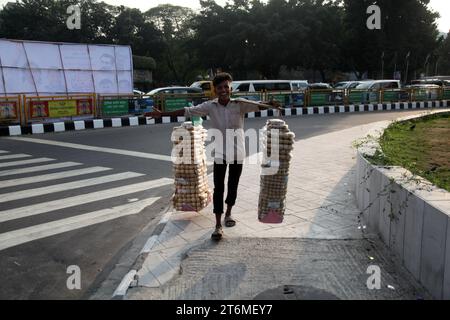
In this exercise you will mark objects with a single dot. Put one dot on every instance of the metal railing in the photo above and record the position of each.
(10, 110)
(124, 104)
(67, 107)
(23, 109)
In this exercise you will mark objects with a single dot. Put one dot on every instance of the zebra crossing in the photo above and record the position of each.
(24, 171)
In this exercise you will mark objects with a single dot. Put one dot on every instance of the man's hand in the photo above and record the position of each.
(154, 114)
(274, 104)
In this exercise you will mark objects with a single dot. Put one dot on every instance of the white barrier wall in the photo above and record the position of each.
(28, 67)
(410, 215)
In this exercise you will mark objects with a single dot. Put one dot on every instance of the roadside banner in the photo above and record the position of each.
(140, 105)
(355, 97)
(8, 110)
(298, 99)
(62, 108)
(39, 109)
(172, 104)
(58, 107)
(115, 107)
(446, 94)
(84, 106)
(320, 98)
(283, 99)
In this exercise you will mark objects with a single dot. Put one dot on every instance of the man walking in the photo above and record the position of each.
(225, 114)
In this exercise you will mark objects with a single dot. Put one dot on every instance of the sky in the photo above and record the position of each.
(441, 6)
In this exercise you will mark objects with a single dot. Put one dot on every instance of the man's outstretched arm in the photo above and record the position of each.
(251, 106)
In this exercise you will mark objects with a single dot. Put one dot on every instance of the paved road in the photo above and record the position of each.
(78, 198)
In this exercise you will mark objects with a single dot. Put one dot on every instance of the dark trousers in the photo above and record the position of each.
(219, 184)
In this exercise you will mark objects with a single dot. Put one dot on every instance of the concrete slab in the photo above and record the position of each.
(59, 127)
(79, 125)
(433, 250)
(446, 291)
(412, 250)
(384, 221)
(374, 200)
(397, 234)
(38, 128)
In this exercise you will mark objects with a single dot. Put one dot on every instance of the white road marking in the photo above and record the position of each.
(11, 196)
(125, 283)
(24, 162)
(17, 237)
(39, 168)
(14, 156)
(49, 206)
(3, 151)
(149, 244)
(51, 176)
(98, 149)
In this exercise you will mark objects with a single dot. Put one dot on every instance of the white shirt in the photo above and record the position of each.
(226, 117)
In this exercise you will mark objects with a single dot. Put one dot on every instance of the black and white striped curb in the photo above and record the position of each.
(16, 130)
(131, 278)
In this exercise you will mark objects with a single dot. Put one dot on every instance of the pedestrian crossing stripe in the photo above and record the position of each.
(14, 156)
(74, 201)
(44, 167)
(51, 176)
(24, 162)
(37, 170)
(18, 195)
(21, 236)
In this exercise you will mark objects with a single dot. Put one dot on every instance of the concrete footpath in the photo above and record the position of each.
(320, 251)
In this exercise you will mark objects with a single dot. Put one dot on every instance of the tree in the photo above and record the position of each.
(45, 20)
(443, 57)
(178, 60)
(407, 26)
(131, 28)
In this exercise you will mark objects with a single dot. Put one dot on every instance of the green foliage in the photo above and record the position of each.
(406, 26)
(146, 63)
(249, 38)
(443, 56)
(421, 146)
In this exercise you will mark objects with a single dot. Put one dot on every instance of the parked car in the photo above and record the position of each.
(206, 86)
(170, 102)
(379, 84)
(138, 92)
(369, 91)
(324, 93)
(174, 90)
(319, 86)
(299, 85)
(438, 82)
(346, 84)
(425, 91)
(260, 85)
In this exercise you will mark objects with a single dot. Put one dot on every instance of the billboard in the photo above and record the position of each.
(61, 108)
(45, 68)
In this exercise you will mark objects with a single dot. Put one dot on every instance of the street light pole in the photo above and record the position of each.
(407, 66)
(395, 62)
(426, 64)
(436, 68)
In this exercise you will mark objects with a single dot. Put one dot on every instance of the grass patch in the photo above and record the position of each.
(420, 145)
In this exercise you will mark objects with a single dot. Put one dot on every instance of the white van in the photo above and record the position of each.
(370, 90)
(378, 84)
(299, 85)
(260, 85)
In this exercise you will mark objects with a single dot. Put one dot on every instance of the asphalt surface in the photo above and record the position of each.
(36, 249)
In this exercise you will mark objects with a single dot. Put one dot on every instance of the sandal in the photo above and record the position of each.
(229, 221)
(217, 234)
